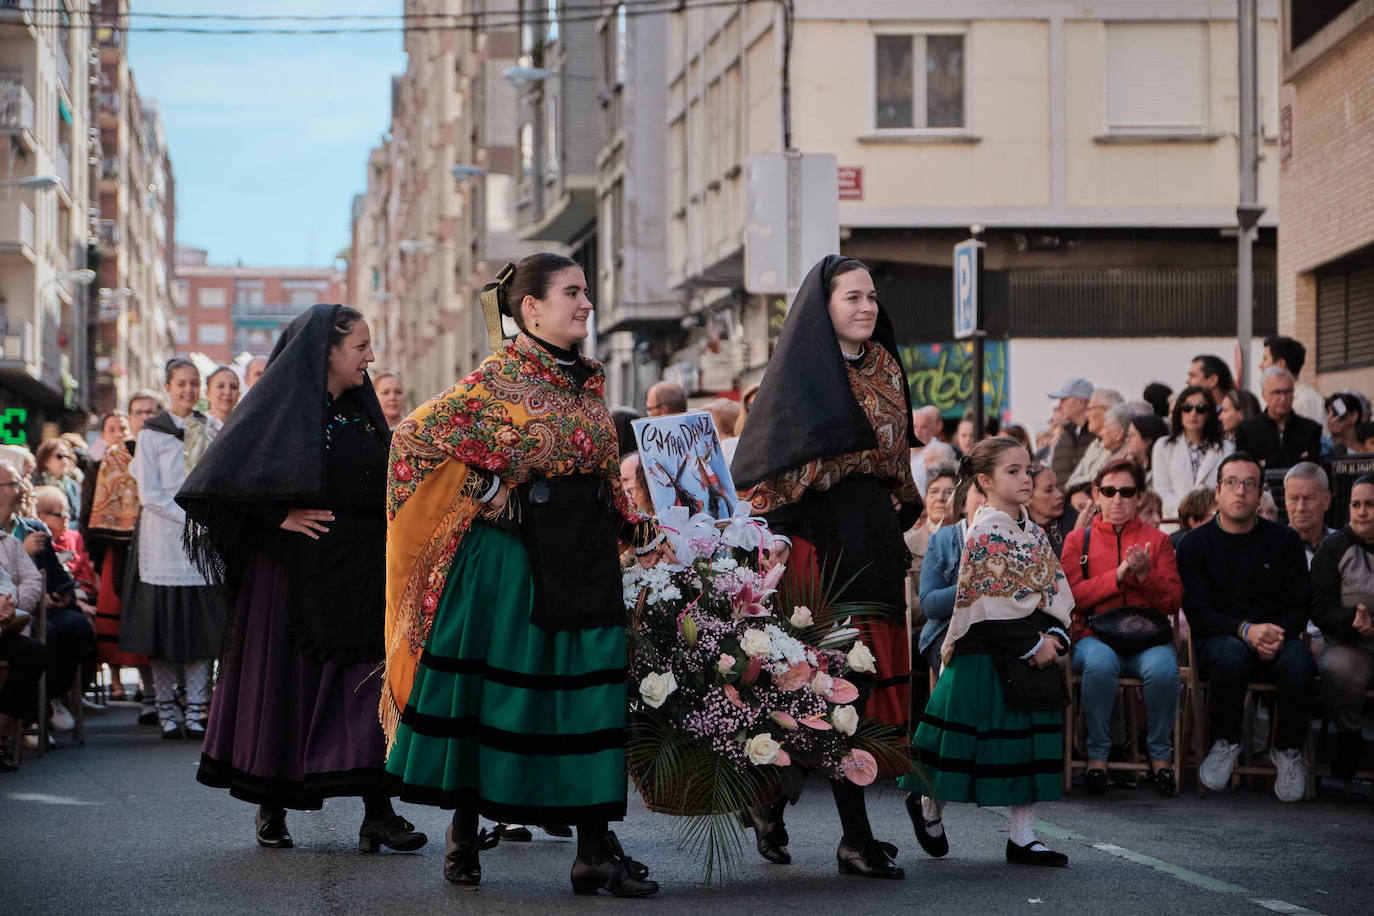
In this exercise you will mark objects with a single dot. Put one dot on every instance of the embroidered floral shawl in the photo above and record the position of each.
(1007, 571)
(876, 379)
(114, 505)
(516, 415)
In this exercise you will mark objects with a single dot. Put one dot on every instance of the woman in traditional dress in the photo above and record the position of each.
(111, 508)
(825, 458)
(170, 614)
(222, 392)
(505, 691)
(992, 732)
(287, 511)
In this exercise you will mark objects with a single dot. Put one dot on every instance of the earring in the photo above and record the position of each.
(536, 322)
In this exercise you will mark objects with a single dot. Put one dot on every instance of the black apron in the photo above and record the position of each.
(571, 530)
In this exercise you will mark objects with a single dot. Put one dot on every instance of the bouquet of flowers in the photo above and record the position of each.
(742, 690)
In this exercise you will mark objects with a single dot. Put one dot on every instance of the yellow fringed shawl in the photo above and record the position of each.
(516, 415)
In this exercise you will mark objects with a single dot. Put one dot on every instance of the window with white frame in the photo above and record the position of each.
(213, 334)
(183, 332)
(1156, 77)
(919, 81)
(212, 297)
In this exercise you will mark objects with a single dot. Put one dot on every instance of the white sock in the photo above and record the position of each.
(1023, 824)
(931, 809)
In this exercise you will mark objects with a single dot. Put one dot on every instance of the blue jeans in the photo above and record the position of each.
(1100, 666)
(1230, 664)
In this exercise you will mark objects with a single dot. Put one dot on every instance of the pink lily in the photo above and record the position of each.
(786, 720)
(751, 671)
(817, 723)
(732, 695)
(783, 759)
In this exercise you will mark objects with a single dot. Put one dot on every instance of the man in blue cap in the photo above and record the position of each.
(1074, 437)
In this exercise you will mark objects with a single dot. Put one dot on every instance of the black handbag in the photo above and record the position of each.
(1128, 629)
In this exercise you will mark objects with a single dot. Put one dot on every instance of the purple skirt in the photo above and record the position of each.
(287, 730)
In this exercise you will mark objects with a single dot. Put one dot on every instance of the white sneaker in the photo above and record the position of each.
(61, 719)
(1290, 781)
(1215, 772)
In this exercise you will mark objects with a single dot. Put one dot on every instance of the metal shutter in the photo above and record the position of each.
(1157, 76)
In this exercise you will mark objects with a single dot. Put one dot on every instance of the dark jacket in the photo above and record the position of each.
(1068, 450)
(1256, 577)
(1301, 440)
(1342, 577)
(60, 583)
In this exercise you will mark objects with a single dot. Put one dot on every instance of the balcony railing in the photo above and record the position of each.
(16, 105)
(16, 224)
(24, 5)
(16, 343)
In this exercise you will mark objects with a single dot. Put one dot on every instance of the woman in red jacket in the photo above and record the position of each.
(1129, 563)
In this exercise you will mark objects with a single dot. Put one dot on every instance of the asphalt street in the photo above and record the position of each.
(121, 826)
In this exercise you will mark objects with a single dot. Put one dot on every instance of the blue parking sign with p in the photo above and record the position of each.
(966, 288)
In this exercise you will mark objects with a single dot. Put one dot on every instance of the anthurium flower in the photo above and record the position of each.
(859, 767)
(786, 720)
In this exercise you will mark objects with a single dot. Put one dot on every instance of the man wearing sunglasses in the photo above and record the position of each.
(1246, 594)
(1127, 564)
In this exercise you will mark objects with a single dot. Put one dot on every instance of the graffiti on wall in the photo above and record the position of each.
(942, 374)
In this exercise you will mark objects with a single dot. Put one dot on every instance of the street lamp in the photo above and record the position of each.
(33, 182)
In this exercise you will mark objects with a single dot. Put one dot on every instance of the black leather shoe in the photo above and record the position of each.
(272, 831)
(394, 832)
(516, 834)
(562, 831)
(148, 717)
(195, 729)
(1166, 783)
(1035, 853)
(461, 864)
(770, 833)
(615, 873)
(1095, 782)
(935, 846)
(872, 860)
(174, 733)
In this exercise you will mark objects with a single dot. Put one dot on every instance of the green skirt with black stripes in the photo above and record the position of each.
(523, 724)
(971, 746)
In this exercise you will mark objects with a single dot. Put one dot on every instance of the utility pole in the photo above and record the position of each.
(1248, 209)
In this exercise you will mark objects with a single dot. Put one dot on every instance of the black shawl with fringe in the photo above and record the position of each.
(276, 453)
(805, 407)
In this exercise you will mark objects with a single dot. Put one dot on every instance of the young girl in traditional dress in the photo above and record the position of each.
(992, 731)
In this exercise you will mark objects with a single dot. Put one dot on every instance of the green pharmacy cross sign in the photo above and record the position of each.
(12, 423)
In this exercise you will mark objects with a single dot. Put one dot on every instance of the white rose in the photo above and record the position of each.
(860, 659)
(762, 749)
(755, 643)
(845, 719)
(801, 617)
(821, 683)
(656, 687)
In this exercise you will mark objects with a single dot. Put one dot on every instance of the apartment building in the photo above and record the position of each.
(136, 230)
(1326, 190)
(224, 311)
(44, 223)
(1095, 142)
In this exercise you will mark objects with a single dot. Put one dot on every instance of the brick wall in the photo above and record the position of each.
(1326, 187)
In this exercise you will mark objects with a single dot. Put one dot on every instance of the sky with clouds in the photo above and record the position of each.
(268, 134)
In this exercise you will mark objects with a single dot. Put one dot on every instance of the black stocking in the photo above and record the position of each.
(591, 841)
(377, 806)
(849, 802)
(464, 825)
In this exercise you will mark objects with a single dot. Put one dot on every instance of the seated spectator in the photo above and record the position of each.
(964, 436)
(69, 635)
(1279, 438)
(1344, 416)
(1364, 437)
(1197, 508)
(940, 572)
(1210, 373)
(1292, 355)
(1342, 602)
(20, 589)
(1151, 509)
(51, 510)
(1145, 430)
(57, 468)
(1110, 444)
(939, 493)
(635, 484)
(1157, 395)
(1189, 456)
(1120, 561)
(1080, 497)
(1307, 496)
(1238, 406)
(1073, 436)
(1046, 506)
(1246, 596)
(1018, 432)
(935, 455)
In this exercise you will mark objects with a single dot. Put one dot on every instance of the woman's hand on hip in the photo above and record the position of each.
(309, 522)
